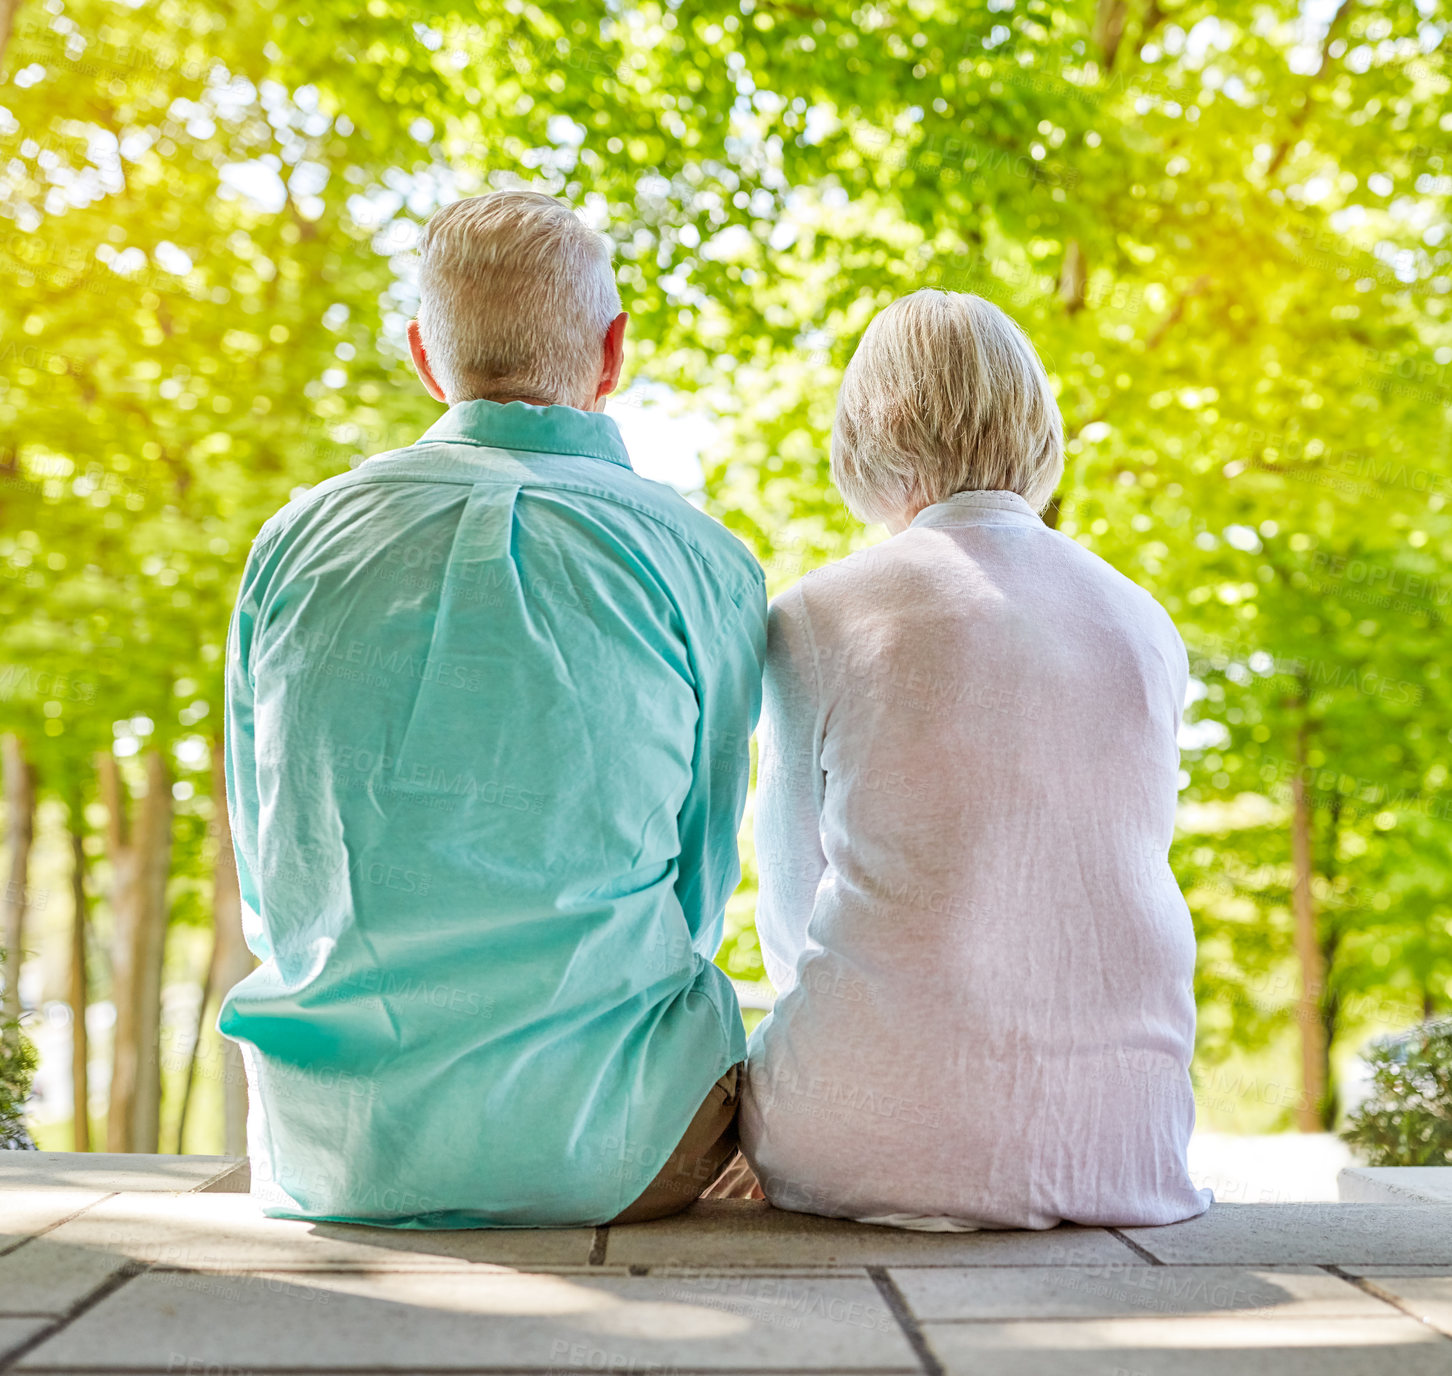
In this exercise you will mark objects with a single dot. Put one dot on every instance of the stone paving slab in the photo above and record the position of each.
(730, 1286)
(1037, 1292)
(1396, 1184)
(731, 1232)
(443, 1321)
(109, 1171)
(16, 1332)
(24, 1213)
(45, 1277)
(234, 1178)
(1354, 1270)
(1428, 1298)
(1192, 1347)
(1299, 1234)
(229, 1232)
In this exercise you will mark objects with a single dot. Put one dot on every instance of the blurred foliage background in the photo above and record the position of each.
(1224, 225)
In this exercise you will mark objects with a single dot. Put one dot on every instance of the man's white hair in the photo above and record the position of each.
(945, 394)
(515, 296)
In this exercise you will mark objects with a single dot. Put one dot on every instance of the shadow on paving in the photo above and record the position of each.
(203, 1283)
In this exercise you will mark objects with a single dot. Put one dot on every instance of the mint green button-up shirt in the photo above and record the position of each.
(489, 701)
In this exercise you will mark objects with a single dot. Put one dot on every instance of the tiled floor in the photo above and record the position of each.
(158, 1265)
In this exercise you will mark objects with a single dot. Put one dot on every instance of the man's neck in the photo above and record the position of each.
(597, 405)
(528, 401)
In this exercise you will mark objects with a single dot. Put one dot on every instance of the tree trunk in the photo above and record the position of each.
(1308, 949)
(141, 860)
(209, 981)
(1109, 17)
(80, 1048)
(8, 10)
(232, 961)
(1330, 999)
(1073, 277)
(1303, 113)
(19, 780)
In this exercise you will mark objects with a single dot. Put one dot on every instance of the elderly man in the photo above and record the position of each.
(489, 700)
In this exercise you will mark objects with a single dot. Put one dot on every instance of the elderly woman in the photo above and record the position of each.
(967, 791)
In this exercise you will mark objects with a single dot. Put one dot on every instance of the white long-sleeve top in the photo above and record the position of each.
(984, 965)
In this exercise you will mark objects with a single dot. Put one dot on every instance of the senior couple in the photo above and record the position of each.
(490, 699)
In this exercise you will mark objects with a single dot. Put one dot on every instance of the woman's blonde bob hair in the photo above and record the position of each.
(945, 394)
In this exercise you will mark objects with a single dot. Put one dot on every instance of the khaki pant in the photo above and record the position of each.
(706, 1149)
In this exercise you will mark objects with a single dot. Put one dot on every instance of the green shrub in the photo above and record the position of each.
(17, 1071)
(1407, 1118)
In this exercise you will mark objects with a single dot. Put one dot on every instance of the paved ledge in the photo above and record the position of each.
(1396, 1184)
(148, 1265)
(108, 1171)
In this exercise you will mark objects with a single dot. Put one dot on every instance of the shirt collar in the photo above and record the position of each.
(536, 429)
(977, 509)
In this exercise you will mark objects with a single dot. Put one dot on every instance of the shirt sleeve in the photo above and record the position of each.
(788, 792)
(240, 747)
(728, 688)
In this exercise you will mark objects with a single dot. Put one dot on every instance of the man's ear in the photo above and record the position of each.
(421, 363)
(612, 360)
